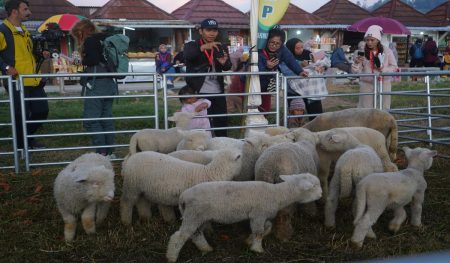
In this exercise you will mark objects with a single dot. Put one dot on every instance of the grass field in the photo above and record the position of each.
(31, 229)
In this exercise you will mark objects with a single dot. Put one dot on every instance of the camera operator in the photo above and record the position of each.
(206, 55)
(16, 57)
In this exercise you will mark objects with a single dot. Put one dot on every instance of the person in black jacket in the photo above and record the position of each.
(207, 55)
(91, 50)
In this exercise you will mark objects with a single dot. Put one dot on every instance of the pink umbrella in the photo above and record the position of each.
(389, 25)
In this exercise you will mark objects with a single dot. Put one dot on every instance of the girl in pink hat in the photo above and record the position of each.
(377, 58)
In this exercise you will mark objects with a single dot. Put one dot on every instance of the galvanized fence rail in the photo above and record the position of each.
(10, 149)
(281, 107)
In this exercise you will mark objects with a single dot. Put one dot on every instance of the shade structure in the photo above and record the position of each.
(65, 21)
(389, 25)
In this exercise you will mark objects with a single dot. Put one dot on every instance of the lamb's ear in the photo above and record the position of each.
(286, 178)
(337, 138)
(81, 178)
(431, 153)
(407, 151)
(173, 118)
(306, 185)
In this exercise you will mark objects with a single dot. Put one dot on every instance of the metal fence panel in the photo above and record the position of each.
(9, 134)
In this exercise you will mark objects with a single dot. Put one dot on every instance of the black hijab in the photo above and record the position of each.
(290, 44)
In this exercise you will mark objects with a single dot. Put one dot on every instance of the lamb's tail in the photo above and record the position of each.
(345, 181)
(393, 142)
(360, 200)
(134, 146)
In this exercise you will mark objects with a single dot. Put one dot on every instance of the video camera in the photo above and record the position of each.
(48, 39)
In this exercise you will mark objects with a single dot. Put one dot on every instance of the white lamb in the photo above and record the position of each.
(85, 186)
(252, 148)
(278, 130)
(287, 158)
(193, 140)
(366, 136)
(380, 191)
(375, 119)
(358, 161)
(159, 178)
(221, 143)
(231, 202)
(163, 141)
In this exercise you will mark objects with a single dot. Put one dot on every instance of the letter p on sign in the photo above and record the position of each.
(266, 10)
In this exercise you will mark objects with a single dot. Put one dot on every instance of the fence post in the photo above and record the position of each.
(277, 101)
(285, 105)
(166, 106)
(429, 131)
(375, 90)
(155, 92)
(24, 123)
(13, 123)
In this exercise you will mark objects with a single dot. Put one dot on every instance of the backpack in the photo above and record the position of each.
(418, 53)
(115, 51)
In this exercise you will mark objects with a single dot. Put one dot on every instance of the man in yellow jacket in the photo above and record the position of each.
(16, 57)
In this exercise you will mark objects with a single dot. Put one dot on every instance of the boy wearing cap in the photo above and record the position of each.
(296, 107)
(377, 59)
(206, 55)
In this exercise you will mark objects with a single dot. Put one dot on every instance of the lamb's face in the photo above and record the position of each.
(99, 185)
(233, 157)
(303, 134)
(422, 155)
(333, 141)
(307, 186)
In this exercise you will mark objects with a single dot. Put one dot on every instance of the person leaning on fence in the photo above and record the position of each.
(206, 55)
(89, 41)
(339, 60)
(16, 57)
(377, 59)
(269, 59)
(198, 106)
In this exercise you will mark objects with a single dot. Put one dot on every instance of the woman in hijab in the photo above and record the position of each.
(297, 48)
(377, 59)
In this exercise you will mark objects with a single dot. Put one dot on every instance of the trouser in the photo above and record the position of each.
(34, 110)
(218, 106)
(313, 107)
(100, 108)
(343, 66)
(366, 101)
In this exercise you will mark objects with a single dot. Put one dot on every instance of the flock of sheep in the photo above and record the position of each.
(260, 178)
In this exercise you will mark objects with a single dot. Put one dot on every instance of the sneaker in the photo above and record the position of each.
(169, 82)
(34, 144)
(111, 156)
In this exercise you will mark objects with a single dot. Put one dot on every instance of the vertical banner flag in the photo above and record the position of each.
(270, 13)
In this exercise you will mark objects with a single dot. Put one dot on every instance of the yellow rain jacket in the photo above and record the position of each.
(25, 62)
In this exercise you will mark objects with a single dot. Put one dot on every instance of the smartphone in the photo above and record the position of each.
(361, 53)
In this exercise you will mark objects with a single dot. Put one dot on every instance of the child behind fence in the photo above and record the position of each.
(296, 107)
(195, 105)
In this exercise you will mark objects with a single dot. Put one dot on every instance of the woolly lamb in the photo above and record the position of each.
(252, 148)
(85, 186)
(366, 136)
(231, 202)
(193, 140)
(278, 130)
(163, 141)
(380, 191)
(159, 178)
(378, 120)
(221, 143)
(358, 161)
(287, 158)
(192, 156)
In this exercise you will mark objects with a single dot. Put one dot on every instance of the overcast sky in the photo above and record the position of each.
(243, 5)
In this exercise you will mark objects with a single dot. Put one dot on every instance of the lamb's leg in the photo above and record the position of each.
(283, 228)
(364, 225)
(332, 202)
(370, 233)
(324, 170)
(399, 218)
(177, 240)
(102, 212)
(267, 229)
(144, 209)
(416, 209)
(200, 241)
(70, 226)
(127, 202)
(257, 226)
(168, 214)
(88, 219)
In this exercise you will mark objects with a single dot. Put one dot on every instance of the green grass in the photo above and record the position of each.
(31, 229)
